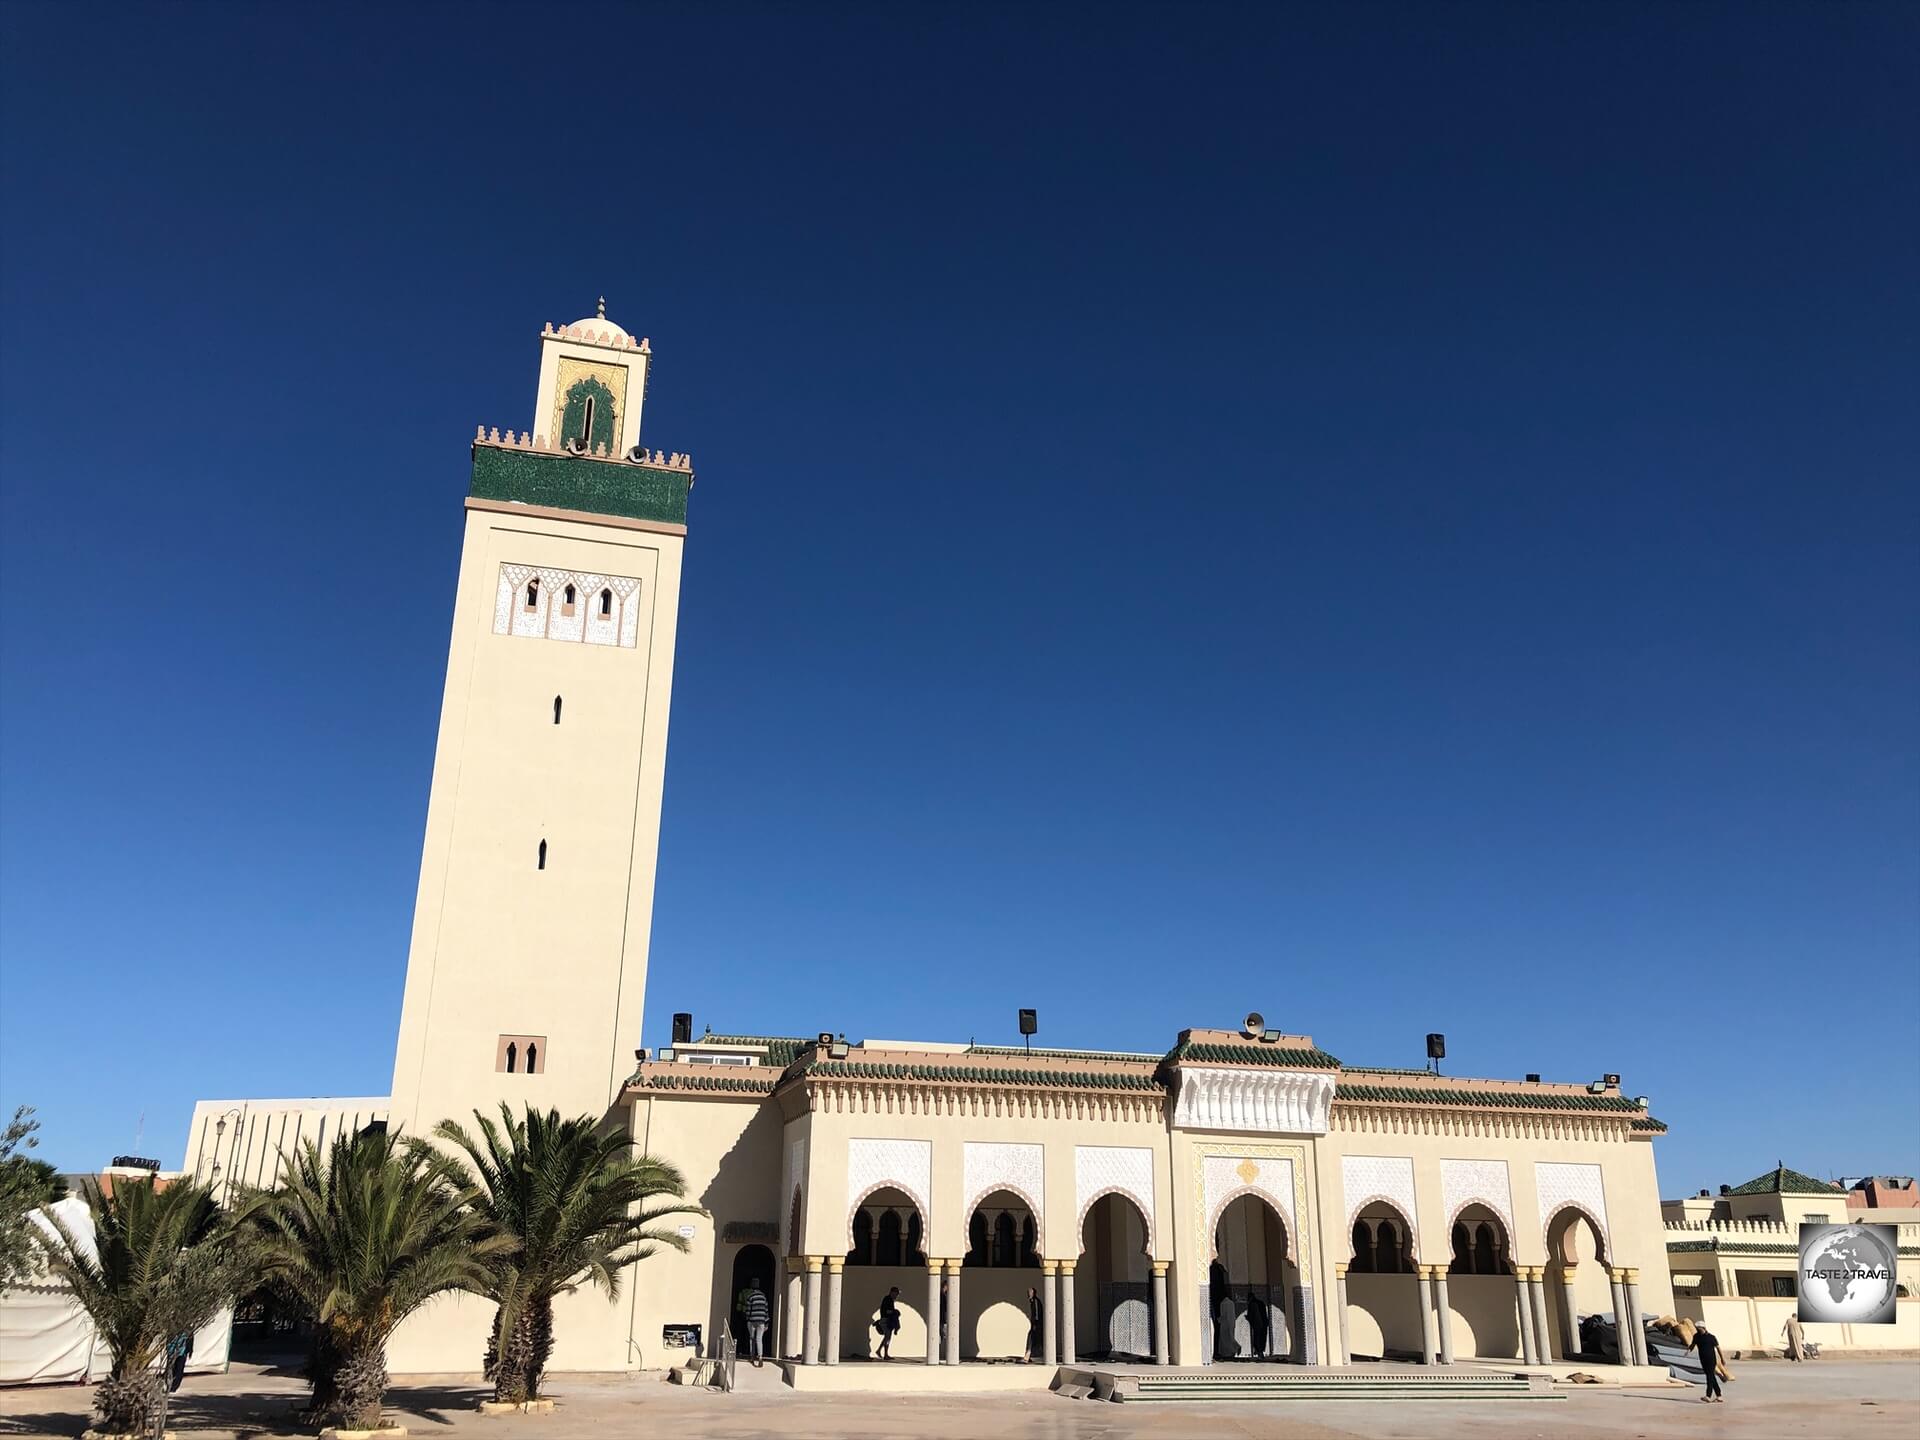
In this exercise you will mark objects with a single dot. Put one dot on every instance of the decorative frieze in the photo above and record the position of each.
(1560, 1184)
(1253, 1100)
(526, 440)
(1226, 1177)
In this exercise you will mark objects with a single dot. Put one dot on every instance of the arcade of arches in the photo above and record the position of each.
(1195, 1210)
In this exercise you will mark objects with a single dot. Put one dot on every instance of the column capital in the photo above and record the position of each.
(935, 1266)
(816, 1263)
(1566, 1271)
(1066, 1267)
(953, 1267)
(1632, 1275)
(836, 1263)
(795, 1264)
(1049, 1267)
(1616, 1274)
(1160, 1267)
(1340, 1269)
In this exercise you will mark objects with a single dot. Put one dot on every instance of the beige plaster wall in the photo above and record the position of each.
(500, 946)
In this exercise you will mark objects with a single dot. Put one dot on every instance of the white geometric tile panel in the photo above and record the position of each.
(1481, 1182)
(1378, 1177)
(605, 609)
(987, 1166)
(1559, 1183)
(1098, 1169)
(905, 1164)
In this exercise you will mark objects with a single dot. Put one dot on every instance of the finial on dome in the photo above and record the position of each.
(603, 307)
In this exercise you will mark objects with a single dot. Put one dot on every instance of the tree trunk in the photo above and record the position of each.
(129, 1404)
(363, 1386)
(323, 1372)
(510, 1355)
(539, 1342)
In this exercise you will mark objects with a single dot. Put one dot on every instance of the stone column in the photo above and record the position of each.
(1633, 1316)
(1528, 1354)
(1345, 1354)
(1049, 1311)
(933, 1312)
(1573, 1311)
(1542, 1331)
(832, 1338)
(1067, 1308)
(1161, 1350)
(790, 1313)
(1442, 1304)
(810, 1346)
(1423, 1287)
(953, 1312)
(1622, 1331)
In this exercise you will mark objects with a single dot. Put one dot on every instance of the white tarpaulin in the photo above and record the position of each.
(45, 1338)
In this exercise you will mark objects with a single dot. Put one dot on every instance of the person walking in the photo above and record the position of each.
(1036, 1327)
(1796, 1338)
(889, 1322)
(1259, 1338)
(758, 1311)
(1707, 1345)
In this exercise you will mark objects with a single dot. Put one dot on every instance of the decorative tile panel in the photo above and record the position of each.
(987, 1166)
(1099, 1169)
(548, 619)
(907, 1165)
(1559, 1183)
(1254, 1101)
(1379, 1177)
(1477, 1182)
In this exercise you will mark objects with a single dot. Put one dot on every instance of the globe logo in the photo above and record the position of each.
(1847, 1273)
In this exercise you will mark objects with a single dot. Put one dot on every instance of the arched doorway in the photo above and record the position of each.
(752, 1265)
(1383, 1289)
(1252, 1279)
(1001, 1264)
(1579, 1293)
(886, 1250)
(1481, 1292)
(1113, 1283)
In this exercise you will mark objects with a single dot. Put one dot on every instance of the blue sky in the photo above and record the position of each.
(1400, 517)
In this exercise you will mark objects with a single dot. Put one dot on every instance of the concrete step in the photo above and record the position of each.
(1387, 1383)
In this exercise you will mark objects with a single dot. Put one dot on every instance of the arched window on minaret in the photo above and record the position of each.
(513, 1055)
(606, 604)
(533, 593)
(566, 601)
(543, 855)
(533, 1058)
(587, 416)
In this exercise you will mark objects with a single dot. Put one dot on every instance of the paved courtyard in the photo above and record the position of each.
(1860, 1399)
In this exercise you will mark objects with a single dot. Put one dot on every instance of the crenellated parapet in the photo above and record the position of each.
(526, 440)
(588, 332)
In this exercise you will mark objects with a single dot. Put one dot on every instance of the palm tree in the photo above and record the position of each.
(578, 1207)
(365, 1234)
(161, 1264)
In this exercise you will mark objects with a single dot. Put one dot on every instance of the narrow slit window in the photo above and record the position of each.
(543, 855)
(586, 422)
(556, 709)
(533, 1058)
(513, 1052)
(606, 604)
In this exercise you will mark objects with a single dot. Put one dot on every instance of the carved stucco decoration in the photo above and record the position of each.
(1225, 1178)
(548, 620)
(1560, 1184)
(907, 1165)
(1112, 1170)
(1254, 1101)
(987, 1166)
(792, 1184)
(1367, 1178)
(1477, 1182)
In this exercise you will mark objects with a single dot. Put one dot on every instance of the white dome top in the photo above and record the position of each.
(599, 324)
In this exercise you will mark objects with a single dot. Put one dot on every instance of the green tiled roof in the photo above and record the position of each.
(782, 1050)
(757, 1081)
(1201, 1052)
(1498, 1099)
(974, 1075)
(1782, 1181)
(1647, 1122)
